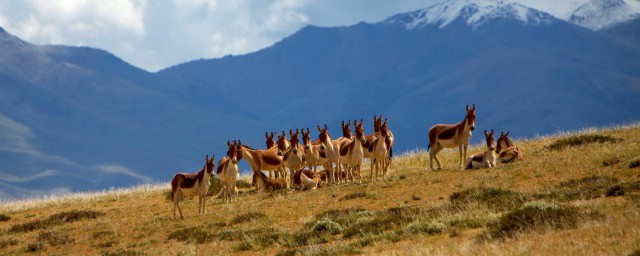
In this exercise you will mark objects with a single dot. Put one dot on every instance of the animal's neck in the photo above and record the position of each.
(248, 155)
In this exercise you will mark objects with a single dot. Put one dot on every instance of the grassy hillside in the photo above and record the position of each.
(579, 197)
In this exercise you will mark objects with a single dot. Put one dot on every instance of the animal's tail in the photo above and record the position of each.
(391, 152)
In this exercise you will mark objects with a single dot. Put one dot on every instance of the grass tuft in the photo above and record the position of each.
(56, 219)
(247, 217)
(4, 217)
(581, 189)
(35, 247)
(191, 235)
(583, 139)
(327, 226)
(610, 161)
(8, 242)
(634, 163)
(533, 216)
(321, 251)
(54, 238)
(494, 198)
(121, 252)
(354, 196)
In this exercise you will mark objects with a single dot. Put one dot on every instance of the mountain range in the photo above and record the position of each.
(79, 118)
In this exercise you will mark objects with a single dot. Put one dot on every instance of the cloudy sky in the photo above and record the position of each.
(158, 34)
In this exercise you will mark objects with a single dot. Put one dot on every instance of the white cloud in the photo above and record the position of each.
(118, 169)
(14, 179)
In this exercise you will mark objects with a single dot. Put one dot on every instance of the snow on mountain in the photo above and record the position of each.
(473, 12)
(601, 14)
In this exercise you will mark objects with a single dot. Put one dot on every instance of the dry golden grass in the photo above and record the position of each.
(409, 214)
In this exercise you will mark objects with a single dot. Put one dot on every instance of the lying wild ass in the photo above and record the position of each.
(486, 159)
(261, 182)
(191, 184)
(506, 150)
(450, 136)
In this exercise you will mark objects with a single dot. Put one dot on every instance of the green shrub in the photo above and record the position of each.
(121, 252)
(425, 228)
(35, 247)
(579, 140)
(582, 189)
(327, 226)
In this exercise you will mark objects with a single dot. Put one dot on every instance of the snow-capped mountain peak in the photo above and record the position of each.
(601, 14)
(474, 12)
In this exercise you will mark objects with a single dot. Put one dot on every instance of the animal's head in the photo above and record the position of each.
(294, 140)
(376, 123)
(471, 117)
(323, 136)
(346, 130)
(233, 151)
(384, 129)
(490, 142)
(504, 142)
(306, 139)
(360, 131)
(270, 141)
(282, 144)
(209, 165)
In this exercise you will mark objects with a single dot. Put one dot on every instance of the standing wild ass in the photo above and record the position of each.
(294, 157)
(191, 184)
(351, 153)
(450, 136)
(267, 159)
(228, 171)
(332, 152)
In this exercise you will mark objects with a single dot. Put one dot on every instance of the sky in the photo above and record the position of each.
(158, 34)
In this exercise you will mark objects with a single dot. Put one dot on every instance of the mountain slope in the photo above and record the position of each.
(602, 14)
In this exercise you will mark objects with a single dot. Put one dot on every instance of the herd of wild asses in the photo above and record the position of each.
(294, 165)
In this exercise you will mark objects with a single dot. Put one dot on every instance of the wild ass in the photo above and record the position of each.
(191, 184)
(306, 179)
(332, 151)
(228, 171)
(264, 159)
(450, 136)
(261, 182)
(314, 156)
(294, 157)
(379, 154)
(270, 142)
(486, 159)
(351, 153)
(506, 150)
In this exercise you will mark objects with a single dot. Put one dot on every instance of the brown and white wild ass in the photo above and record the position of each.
(306, 179)
(506, 150)
(264, 159)
(351, 153)
(379, 154)
(294, 157)
(486, 159)
(261, 182)
(332, 152)
(314, 156)
(450, 136)
(228, 171)
(191, 184)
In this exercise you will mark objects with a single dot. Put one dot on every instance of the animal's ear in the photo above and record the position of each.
(325, 127)
(467, 108)
(491, 132)
(501, 133)
(308, 131)
(342, 123)
(319, 129)
(228, 143)
(290, 132)
(474, 107)
(486, 134)
(297, 131)
(349, 124)
(507, 134)
(266, 135)
(361, 121)
(213, 157)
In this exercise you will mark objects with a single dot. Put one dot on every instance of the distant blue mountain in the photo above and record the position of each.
(77, 118)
